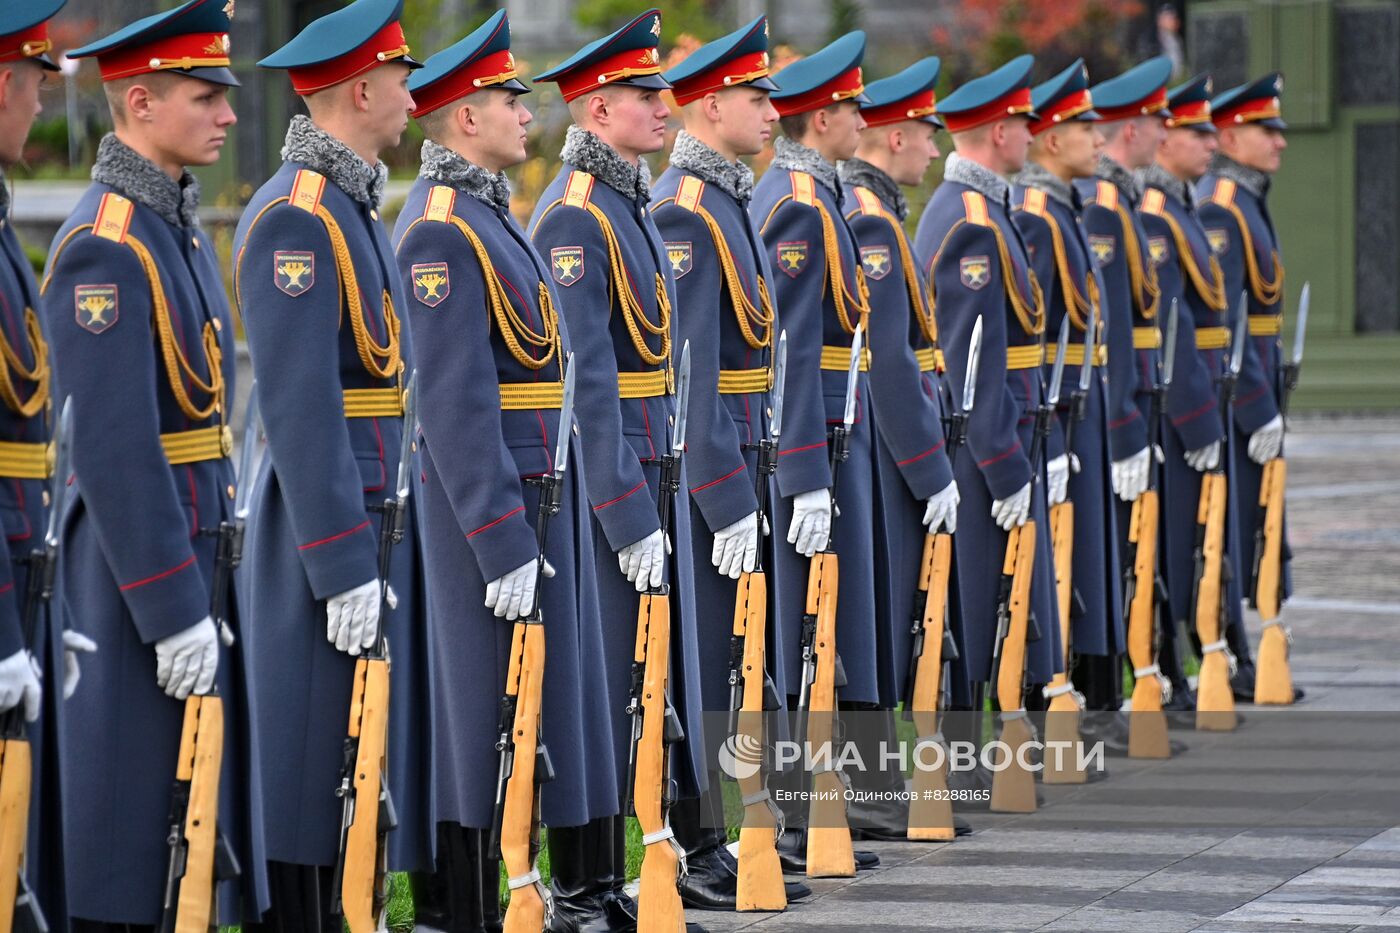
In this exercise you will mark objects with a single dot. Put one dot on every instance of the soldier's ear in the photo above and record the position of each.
(7, 75)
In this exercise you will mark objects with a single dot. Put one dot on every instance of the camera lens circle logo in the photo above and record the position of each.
(741, 756)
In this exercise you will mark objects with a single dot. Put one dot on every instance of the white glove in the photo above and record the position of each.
(642, 561)
(1265, 443)
(942, 509)
(513, 595)
(19, 682)
(352, 618)
(1013, 511)
(74, 644)
(1057, 479)
(736, 547)
(187, 661)
(810, 530)
(1129, 475)
(1205, 458)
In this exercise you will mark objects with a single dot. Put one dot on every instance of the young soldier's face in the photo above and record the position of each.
(1013, 142)
(1255, 146)
(19, 105)
(638, 119)
(190, 121)
(844, 123)
(1186, 152)
(746, 119)
(1080, 143)
(919, 148)
(503, 118)
(1149, 132)
(388, 102)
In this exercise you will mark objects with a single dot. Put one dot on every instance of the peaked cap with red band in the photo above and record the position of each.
(628, 56)
(1064, 98)
(1255, 102)
(904, 96)
(738, 59)
(344, 45)
(823, 78)
(1137, 92)
(1004, 93)
(481, 60)
(1190, 105)
(190, 40)
(24, 31)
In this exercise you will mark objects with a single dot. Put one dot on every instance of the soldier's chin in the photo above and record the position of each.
(208, 155)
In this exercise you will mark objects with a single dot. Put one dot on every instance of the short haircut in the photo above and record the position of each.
(158, 83)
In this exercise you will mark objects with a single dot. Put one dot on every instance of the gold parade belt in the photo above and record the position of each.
(743, 381)
(930, 360)
(373, 403)
(641, 385)
(200, 444)
(527, 396)
(1265, 325)
(25, 460)
(1027, 357)
(1147, 338)
(838, 359)
(1074, 354)
(1212, 338)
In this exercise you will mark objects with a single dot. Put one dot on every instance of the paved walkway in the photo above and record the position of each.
(1290, 823)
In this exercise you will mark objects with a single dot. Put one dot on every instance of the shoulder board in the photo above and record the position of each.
(804, 188)
(579, 189)
(440, 202)
(975, 207)
(1153, 201)
(869, 202)
(1106, 195)
(689, 193)
(1034, 202)
(306, 190)
(1224, 193)
(113, 218)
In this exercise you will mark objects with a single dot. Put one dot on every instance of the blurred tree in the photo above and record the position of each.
(992, 32)
(703, 19)
(440, 23)
(845, 17)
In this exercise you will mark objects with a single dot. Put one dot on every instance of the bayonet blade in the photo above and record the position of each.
(566, 420)
(848, 416)
(1091, 336)
(1057, 373)
(775, 423)
(1169, 350)
(1241, 332)
(1300, 327)
(410, 428)
(974, 363)
(63, 455)
(246, 461)
(682, 402)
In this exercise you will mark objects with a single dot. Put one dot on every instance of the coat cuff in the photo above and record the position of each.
(1199, 428)
(628, 518)
(928, 472)
(341, 561)
(726, 499)
(1127, 435)
(1255, 410)
(1006, 472)
(167, 601)
(503, 544)
(803, 469)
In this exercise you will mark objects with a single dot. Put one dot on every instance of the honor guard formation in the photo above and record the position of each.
(535, 499)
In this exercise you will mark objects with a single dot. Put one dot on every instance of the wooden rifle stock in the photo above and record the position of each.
(930, 810)
(1215, 701)
(1147, 724)
(520, 815)
(1013, 786)
(1273, 679)
(829, 850)
(197, 768)
(1062, 714)
(760, 884)
(16, 777)
(362, 874)
(658, 901)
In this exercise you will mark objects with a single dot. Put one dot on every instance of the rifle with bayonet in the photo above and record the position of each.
(19, 906)
(524, 762)
(1066, 703)
(829, 850)
(760, 883)
(932, 648)
(1215, 700)
(1273, 680)
(360, 885)
(200, 856)
(1144, 596)
(1013, 786)
(656, 729)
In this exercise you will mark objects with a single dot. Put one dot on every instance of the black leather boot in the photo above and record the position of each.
(792, 853)
(575, 854)
(300, 902)
(463, 894)
(707, 883)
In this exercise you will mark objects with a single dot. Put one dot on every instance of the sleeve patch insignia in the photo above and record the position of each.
(96, 307)
(792, 257)
(431, 284)
(975, 271)
(566, 264)
(293, 271)
(1157, 249)
(1219, 239)
(682, 257)
(1101, 245)
(876, 261)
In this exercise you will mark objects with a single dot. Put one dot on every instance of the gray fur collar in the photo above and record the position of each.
(1035, 175)
(602, 161)
(123, 168)
(977, 177)
(313, 147)
(792, 155)
(691, 155)
(443, 165)
(1250, 179)
(861, 173)
(1111, 170)
(1154, 176)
